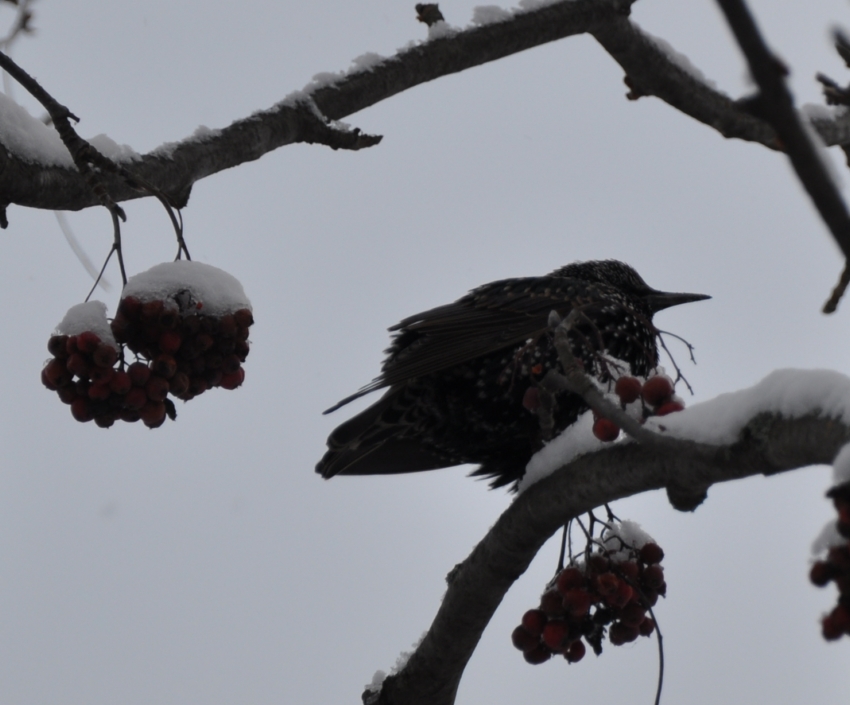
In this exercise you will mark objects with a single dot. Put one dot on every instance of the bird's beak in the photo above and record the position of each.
(659, 300)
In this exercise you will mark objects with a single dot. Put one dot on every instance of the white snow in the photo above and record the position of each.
(212, 290)
(626, 532)
(676, 57)
(89, 316)
(202, 133)
(575, 440)
(790, 393)
(441, 29)
(28, 138)
(821, 149)
(841, 466)
(489, 14)
(826, 539)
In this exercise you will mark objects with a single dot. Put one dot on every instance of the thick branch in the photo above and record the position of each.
(650, 71)
(767, 444)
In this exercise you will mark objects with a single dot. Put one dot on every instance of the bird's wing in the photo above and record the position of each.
(490, 318)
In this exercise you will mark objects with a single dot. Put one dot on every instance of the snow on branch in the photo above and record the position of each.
(792, 419)
(651, 66)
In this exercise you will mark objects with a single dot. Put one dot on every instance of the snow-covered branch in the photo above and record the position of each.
(790, 420)
(651, 66)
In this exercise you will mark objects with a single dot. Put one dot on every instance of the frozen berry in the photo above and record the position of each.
(537, 655)
(232, 381)
(570, 578)
(620, 634)
(575, 652)
(87, 342)
(120, 383)
(153, 414)
(524, 640)
(669, 407)
(244, 318)
(170, 341)
(104, 355)
(628, 389)
(533, 621)
(605, 430)
(651, 553)
(57, 345)
(555, 634)
(81, 409)
(657, 390)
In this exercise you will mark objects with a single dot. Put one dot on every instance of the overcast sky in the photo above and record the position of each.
(205, 562)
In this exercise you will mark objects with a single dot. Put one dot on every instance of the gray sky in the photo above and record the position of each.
(205, 562)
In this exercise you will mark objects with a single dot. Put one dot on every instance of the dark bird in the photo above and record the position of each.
(458, 374)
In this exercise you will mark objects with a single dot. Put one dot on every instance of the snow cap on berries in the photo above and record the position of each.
(213, 291)
(90, 316)
(826, 539)
(618, 537)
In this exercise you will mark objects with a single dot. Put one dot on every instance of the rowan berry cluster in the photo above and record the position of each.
(612, 590)
(836, 568)
(181, 347)
(656, 395)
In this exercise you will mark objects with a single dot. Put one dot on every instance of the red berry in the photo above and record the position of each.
(605, 430)
(821, 573)
(104, 420)
(81, 409)
(227, 325)
(570, 578)
(607, 584)
(230, 364)
(628, 569)
(120, 383)
(67, 394)
(622, 597)
(101, 375)
(575, 652)
(555, 634)
(836, 623)
(533, 621)
(136, 398)
(139, 374)
(153, 414)
(577, 602)
(130, 306)
(165, 366)
(647, 626)
(87, 342)
(620, 634)
(523, 640)
(170, 341)
(55, 374)
(552, 604)
(632, 614)
(57, 345)
(651, 553)
(77, 364)
(244, 318)
(657, 390)
(628, 389)
(537, 655)
(231, 381)
(104, 355)
(100, 392)
(156, 389)
(178, 385)
(669, 408)
(531, 399)
(653, 577)
(151, 311)
(597, 564)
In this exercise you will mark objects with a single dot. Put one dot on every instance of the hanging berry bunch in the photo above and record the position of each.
(186, 324)
(836, 567)
(609, 589)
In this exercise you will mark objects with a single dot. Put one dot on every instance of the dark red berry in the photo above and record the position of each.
(669, 407)
(78, 364)
(821, 573)
(656, 390)
(232, 381)
(555, 633)
(104, 355)
(523, 640)
(170, 341)
(244, 318)
(575, 652)
(120, 383)
(620, 634)
(139, 374)
(87, 342)
(533, 621)
(537, 655)
(82, 410)
(605, 430)
(651, 553)
(570, 578)
(577, 602)
(653, 577)
(531, 399)
(647, 626)
(153, 414)
(628, 389)
(57, 345)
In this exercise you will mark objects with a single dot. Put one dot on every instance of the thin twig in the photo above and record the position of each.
(776, 105)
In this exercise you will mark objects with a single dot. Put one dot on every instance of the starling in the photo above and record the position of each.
(458, 375)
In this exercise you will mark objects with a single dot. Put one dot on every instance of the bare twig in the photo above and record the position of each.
(777, 107)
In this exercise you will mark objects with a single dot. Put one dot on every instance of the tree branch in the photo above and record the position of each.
(768, 443)
(651, 70)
